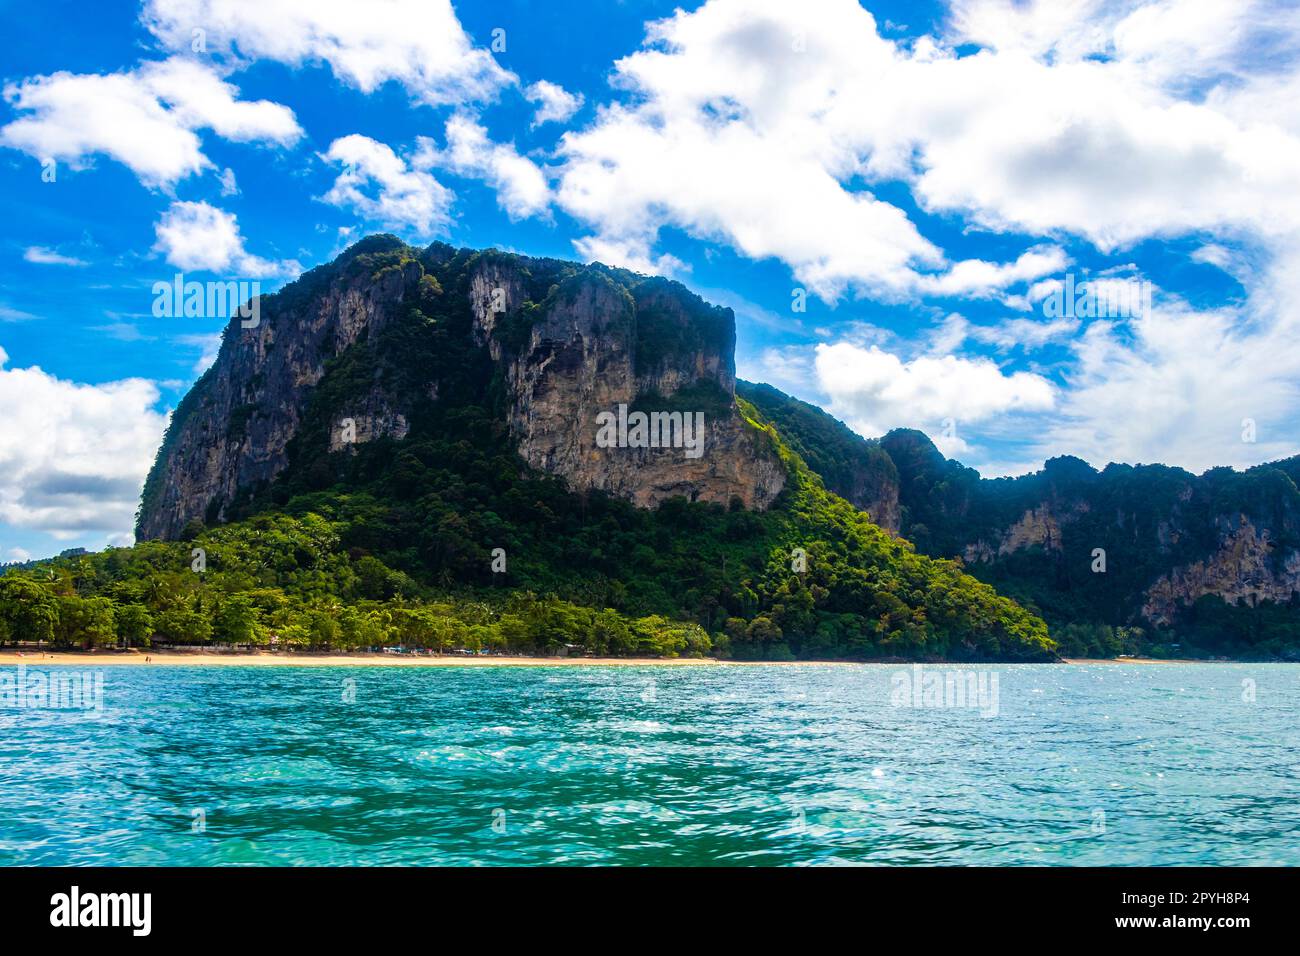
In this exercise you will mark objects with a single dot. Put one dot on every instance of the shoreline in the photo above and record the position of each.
(1153, 660)
(270, 659)
(206, 658)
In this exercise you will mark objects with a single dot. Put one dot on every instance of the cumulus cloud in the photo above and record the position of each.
(198, 236)
(520, 184)
(1173, 43)
(73, 457)
(555, 104)
(633, 253)
(1178, 385)
(399, 195)
(145, 118)
(1039, 133)
(765, 125)
(417, 43)
(726, 136)
(874, 390)
(632, 175)
(978, 279)
(1195, 388)
(770, 127)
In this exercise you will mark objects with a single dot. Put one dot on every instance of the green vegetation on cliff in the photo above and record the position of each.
(407, 557)
(393, 541)
(1149, 520)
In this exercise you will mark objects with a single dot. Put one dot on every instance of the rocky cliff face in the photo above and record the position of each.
(1166, 538)
(1244, 570)
(567, 343)
(232, 430)
(378, 344)
(598, 346)
(1038, 527)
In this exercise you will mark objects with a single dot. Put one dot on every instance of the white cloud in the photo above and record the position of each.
(978, 279)
(229, 186)
(1036, 134)
(874, 390)
(197, 236)
(555, 103)
(145, 118)
(18, 554)
(1073, 28)
(403, 196)
(1176, 385)
(726, 136)
(520, 184)
(950, 335)
(417, 43)
(764, 125)
(73, 457)
(200, 99)
(1028, 334)
(1172, 384)
(628, 177)
(51, 257)
(1025, 333)
(628, 253)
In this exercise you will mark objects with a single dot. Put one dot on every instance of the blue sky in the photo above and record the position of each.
(921, 178)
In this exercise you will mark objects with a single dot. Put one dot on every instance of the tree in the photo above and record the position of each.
(134, 624)
(29, 610)
(182, 625)
(89, 622)
(322, 628)
(236, 620)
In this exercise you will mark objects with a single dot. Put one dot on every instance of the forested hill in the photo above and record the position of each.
(1206, 564)
(403, 451)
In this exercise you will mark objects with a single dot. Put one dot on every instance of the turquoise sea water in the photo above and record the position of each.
(765, 764)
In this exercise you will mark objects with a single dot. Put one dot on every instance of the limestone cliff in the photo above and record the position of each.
(231, 431)
(1244, 570)
(1038, 527)
(1124, 545)
(598, 345)
(1128, 544)
(561, 342)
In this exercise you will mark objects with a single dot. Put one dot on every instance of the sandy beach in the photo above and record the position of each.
(205, 658)
(268, 659)
(1135, 660)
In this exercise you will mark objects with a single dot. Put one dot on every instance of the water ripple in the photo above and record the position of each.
(770, 765)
